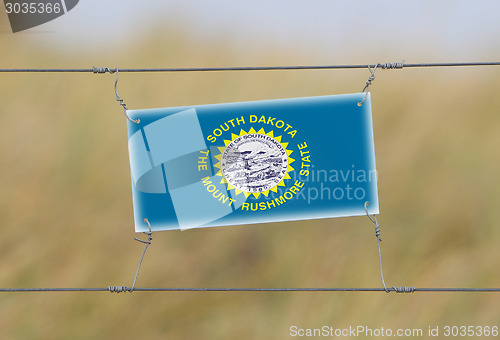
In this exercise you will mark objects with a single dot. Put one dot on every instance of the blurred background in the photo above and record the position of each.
(65, 198)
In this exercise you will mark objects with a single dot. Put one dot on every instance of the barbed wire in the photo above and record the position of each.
(398, 65)
(121, 289)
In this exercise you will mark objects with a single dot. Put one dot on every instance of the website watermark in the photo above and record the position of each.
(370, 332)
(333, 184)
(25, 14)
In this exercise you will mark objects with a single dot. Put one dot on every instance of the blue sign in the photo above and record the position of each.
(252, 162)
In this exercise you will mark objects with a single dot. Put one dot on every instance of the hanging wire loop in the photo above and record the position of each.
(377, 235)
(368, 83)
(149, 234)
(102, 70)
(373, 218)
(118, 99)
(122, 289)
(371, 78)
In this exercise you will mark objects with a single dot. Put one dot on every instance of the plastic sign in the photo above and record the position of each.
(252, 162)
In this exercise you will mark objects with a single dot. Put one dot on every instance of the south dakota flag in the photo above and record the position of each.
(252, 162)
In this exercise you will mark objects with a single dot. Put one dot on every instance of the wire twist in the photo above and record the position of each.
(392, 66)
(117, 289)
(404, 289)
(102, 70)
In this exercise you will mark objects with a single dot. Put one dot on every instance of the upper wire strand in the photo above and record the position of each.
(251, 68)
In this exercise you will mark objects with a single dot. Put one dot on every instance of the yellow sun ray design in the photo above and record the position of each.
(273, 188)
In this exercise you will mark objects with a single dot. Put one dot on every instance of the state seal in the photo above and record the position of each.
(254, 163)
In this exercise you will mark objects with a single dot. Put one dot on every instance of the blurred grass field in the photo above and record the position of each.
(66, 208)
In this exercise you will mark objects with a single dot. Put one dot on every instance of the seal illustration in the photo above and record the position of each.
(254, 163)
